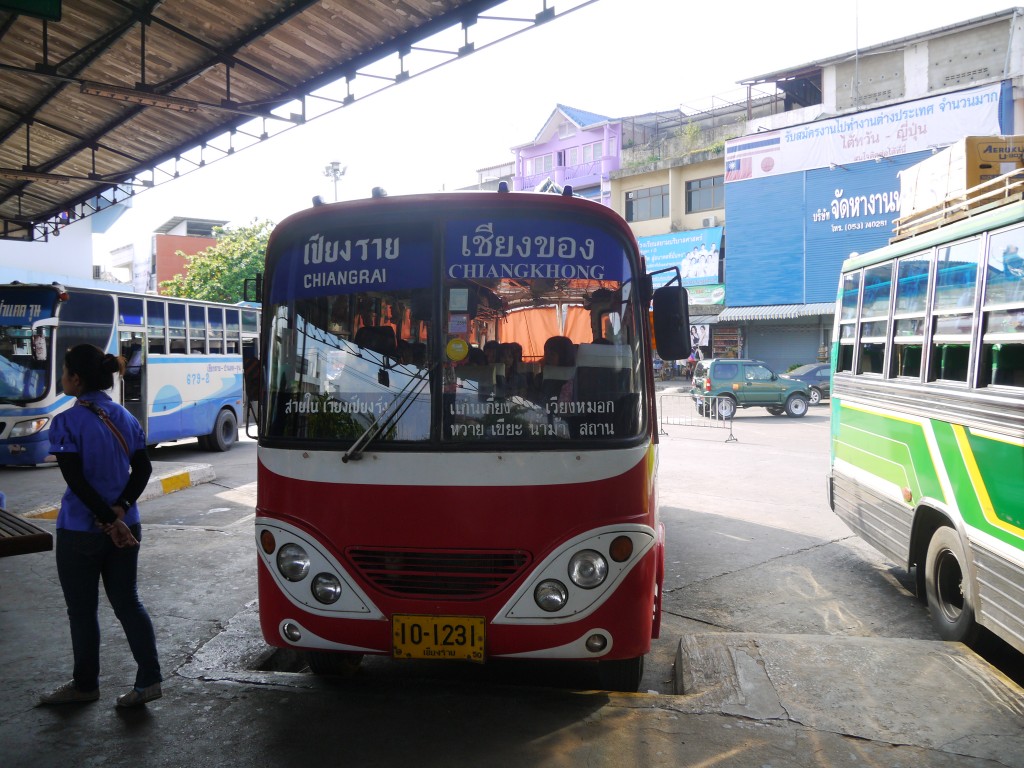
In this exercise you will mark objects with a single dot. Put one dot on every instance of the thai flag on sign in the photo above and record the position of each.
(737, 168)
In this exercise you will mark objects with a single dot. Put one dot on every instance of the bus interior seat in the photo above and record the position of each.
(379, 338)
(484, 375)
(554, 377)
(909, 360)
(602, 371)
(178, 346)
(1008, 365)
(418, 353)
(870, 358)
(952, 362)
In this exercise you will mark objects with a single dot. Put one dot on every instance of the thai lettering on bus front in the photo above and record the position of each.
(22, 313)
(524, 250)
(353, 260)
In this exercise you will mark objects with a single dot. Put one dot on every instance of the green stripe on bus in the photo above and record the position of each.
(895, 450)
(983, 474)
(999, 465)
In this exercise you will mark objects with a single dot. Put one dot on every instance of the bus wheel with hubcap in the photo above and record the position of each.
(726, 407)
(796, 406)
(334, 664)
(949, 596)
(224, 434)
(621, 674)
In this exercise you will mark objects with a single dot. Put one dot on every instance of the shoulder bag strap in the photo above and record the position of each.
(110, 425)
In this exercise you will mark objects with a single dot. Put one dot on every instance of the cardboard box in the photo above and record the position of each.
(963, 165)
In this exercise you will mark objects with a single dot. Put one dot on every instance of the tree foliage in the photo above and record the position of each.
(219, 272)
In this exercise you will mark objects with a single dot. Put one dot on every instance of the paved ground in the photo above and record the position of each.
(745, 699)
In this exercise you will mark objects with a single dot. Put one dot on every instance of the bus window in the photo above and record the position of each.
(250, 321)
(874, 315)
(848, 320)
(1002, 355)
(1005, 275)
(589, 390)
(215, 316)
(908, 312)
(232, 325)
(176, 328)
(156, 325)
(196, 329)
(956, 275)
(129, 311)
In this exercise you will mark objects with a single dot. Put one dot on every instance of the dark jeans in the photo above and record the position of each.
(82, 559)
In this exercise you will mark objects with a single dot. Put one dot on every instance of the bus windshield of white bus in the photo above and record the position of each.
(24, 344)
(461, 331)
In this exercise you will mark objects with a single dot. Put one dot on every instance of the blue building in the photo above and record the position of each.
(807, 171)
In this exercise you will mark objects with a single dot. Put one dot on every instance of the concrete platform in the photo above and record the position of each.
(934, 695)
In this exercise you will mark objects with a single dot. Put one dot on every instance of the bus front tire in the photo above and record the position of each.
(343, 665)
(947, 588)
(621, 674)
(224, 434)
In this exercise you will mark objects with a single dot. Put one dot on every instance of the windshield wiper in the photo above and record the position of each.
(395, 410)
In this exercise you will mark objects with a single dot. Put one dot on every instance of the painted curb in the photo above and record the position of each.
(159, 485)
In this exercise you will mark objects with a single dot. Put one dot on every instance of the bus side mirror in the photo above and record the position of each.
(257, 289)
(671, 323)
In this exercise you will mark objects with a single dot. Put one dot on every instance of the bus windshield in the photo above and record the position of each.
(493, 329)
(24, 351)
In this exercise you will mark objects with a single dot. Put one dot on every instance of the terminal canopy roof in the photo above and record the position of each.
(119, 95)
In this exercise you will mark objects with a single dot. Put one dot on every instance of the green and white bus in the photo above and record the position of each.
(927, 435)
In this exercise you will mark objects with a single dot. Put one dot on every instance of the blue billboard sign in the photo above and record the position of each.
(695, 252)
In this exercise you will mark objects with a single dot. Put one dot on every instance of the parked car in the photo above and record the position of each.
(817, 376)
(746, 384)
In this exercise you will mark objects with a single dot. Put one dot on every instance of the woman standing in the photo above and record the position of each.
(101, 451)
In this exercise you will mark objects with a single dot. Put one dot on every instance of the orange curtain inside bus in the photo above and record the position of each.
(532, 327)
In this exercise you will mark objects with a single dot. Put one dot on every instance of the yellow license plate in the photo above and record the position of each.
(438, 637)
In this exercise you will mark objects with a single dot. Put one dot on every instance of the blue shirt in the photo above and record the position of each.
(104, 462)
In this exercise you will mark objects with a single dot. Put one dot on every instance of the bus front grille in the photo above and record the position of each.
(458, 574)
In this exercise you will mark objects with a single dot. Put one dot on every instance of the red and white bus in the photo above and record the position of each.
(458, 442)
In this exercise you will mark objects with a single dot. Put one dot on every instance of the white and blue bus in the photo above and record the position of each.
(185, 363)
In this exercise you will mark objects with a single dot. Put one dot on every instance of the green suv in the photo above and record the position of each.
(746, 384)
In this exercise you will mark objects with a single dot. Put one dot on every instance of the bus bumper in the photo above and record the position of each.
(25, 452)
(621, 628)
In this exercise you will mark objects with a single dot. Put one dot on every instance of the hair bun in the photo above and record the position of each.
(111, 363)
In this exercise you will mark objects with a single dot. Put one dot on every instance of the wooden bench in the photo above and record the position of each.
(20, 537)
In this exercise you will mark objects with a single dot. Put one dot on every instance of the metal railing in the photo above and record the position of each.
(683, 410)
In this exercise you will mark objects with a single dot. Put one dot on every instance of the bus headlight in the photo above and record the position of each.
(588, 569)
(293, 562)
(326, 588)
(28, 427)
(551, 595)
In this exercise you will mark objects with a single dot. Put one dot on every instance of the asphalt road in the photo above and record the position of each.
(785, 642)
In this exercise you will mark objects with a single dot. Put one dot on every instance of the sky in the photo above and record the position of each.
(611, 57)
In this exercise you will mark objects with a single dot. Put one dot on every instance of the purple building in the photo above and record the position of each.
(574, 148)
